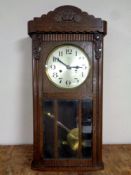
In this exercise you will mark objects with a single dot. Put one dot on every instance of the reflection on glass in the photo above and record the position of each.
(48, 129)
(67, 115)
(87, 128)
(67, 129)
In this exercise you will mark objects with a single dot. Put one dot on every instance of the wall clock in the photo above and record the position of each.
(67, 49)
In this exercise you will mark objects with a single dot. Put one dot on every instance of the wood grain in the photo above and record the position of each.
(67, 25)
(16, 160)
(43, 89)
(66, 19)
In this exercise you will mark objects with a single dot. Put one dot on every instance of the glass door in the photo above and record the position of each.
(67, 127)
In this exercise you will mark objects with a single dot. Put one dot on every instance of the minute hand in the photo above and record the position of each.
(67, 66)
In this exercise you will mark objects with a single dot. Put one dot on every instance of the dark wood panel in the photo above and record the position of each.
(68, 37)
(66, 19)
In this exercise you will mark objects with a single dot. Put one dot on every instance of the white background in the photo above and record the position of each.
(16, 116)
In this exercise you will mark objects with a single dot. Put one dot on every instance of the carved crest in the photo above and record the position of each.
(67, 16)
(66, 19)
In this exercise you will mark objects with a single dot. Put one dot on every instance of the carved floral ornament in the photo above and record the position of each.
(69, 15)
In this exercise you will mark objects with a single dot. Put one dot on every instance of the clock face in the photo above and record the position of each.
(67, 66)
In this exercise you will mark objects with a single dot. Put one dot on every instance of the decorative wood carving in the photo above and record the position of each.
(67, 19)
(36, 49)
(98, 38)
(69, 16)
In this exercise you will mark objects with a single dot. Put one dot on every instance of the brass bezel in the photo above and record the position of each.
(55, 48)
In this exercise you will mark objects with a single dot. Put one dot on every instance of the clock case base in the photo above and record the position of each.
(38, 166)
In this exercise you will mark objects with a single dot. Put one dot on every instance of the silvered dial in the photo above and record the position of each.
(67, 66)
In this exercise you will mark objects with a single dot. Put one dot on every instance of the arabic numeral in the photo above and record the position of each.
(60, 53)
(68, 82)
(76, 53)
(75, 70)
(55, 74)
(82, 58)
(54, 59)
(60, 80)
(84, 66)
(53, 67)
(68, 51)
(77, 80)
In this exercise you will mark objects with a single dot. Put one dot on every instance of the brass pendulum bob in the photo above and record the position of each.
(73, 139)
(72, 136)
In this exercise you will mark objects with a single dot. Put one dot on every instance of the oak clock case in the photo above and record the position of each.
(67, 47)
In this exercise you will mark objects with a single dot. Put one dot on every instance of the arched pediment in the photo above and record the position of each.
(66, 19)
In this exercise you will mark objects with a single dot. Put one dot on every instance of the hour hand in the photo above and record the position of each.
(76, 67)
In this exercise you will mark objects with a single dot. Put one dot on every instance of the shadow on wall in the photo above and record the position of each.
(26, 102)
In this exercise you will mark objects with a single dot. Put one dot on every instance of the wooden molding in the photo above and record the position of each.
(66, 19)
